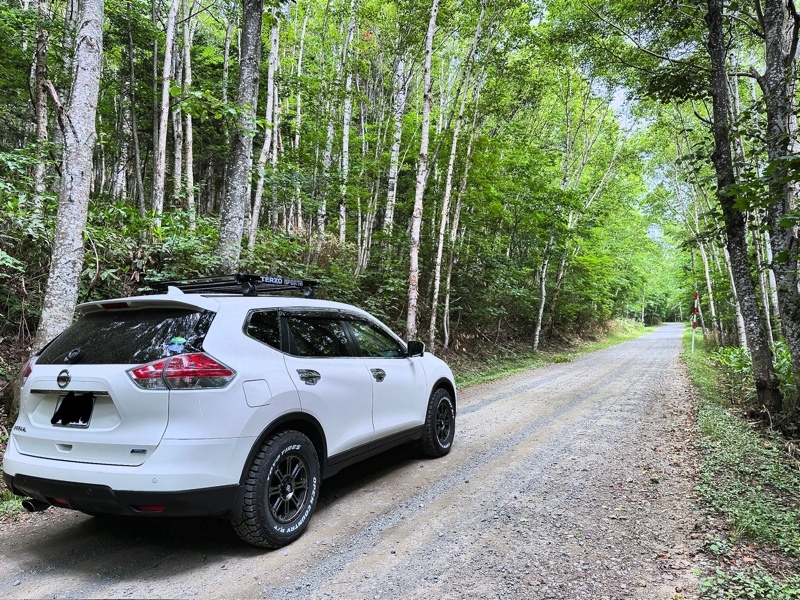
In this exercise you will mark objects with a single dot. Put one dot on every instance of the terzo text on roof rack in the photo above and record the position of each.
(236, 283)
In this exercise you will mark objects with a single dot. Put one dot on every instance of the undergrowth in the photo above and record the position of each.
(747, 476)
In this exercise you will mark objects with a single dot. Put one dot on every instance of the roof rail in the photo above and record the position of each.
(236, 283)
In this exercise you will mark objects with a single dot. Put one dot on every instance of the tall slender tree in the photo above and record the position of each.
(77, 123)
(240, 159)
(422, 179)
(735, 227)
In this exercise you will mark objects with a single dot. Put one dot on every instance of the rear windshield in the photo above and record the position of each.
(129, 336)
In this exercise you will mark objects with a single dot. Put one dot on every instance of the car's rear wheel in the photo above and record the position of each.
(440, 424)
(281, 491)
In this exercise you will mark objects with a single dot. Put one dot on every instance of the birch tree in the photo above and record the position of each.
(77, 123)
(347, 116)
(40, 96)
(448, 186)
(422, 178)
(781, 26)
(240, 159)
(401, 78)
(160, 156)
(763, 370)
(268, 133)
(188, 35)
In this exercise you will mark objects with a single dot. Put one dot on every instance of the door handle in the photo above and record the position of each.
(378, 374)
(309, 376)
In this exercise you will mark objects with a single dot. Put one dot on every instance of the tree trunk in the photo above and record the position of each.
(735, 227)
(268, 133)
(226, 58)
(448, 186)
(78, 127)
(119, 179)
(456, 219)
(422, 176)
(176, 117)
(188, 36)
(542, 290)
(160, 156)
(71, 11)
(40, 59)
(240, 160)
(400, 93)
(779, 87)
(346, 120)
(297, 225)
(347, 116)
(137, 155)
(709, 288)
(276, 147)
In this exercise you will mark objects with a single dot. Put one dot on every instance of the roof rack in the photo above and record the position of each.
(236, 283)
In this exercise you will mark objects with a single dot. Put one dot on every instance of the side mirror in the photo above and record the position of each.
(416, 348)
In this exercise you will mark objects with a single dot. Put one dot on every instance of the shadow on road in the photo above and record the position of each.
(79, 544)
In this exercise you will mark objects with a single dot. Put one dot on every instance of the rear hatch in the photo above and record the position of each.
(79, 403)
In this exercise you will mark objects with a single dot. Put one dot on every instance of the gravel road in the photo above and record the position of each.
(569, 481)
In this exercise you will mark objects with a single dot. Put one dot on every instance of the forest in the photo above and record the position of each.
(480, 175)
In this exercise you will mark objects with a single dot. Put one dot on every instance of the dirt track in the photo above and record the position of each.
(570, 481)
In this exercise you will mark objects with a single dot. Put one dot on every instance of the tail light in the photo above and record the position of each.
(26, 370)
(182, 372)
(24, 373)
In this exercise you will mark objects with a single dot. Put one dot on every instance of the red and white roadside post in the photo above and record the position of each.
(694, 316)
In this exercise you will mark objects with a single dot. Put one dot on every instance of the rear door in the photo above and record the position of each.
(79, 402)
(334, 385)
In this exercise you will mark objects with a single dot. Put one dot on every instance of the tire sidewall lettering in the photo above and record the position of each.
(282, 453)
(446, 398)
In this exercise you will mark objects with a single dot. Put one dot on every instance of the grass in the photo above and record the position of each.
(490, 367)
(747, 477)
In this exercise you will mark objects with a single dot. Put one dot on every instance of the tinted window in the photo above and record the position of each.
(129, 336)
(263, 326)
(374, 341)
(317, 336)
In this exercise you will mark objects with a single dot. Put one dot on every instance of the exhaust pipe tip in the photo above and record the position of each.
(33, 505)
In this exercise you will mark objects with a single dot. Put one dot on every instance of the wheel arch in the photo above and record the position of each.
(302, 422)
(448, 385)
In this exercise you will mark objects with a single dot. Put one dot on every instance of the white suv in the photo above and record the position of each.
(227, 404)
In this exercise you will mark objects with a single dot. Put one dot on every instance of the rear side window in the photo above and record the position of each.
(317, 336)
(129, 336)
(263, 326)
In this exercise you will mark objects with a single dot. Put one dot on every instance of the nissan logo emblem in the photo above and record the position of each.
(63, 379)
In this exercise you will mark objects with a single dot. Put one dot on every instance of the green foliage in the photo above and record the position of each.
(752, 583)
(737, 370)
(550, 158)
(750, 479)
(9, 503)
(747, 476)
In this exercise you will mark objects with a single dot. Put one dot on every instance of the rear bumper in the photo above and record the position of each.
(186, 477)
(101, 499)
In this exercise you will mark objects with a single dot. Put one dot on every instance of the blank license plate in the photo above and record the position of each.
(73, 410)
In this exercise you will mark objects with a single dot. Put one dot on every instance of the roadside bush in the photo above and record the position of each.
(747, 476)
(737, 374)
(736, 371)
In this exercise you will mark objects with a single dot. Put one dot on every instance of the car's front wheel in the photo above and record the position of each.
(281, 491)
(440, 424)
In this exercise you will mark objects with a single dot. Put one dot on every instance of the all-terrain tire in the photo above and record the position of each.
(281, 491)
(440, 425)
